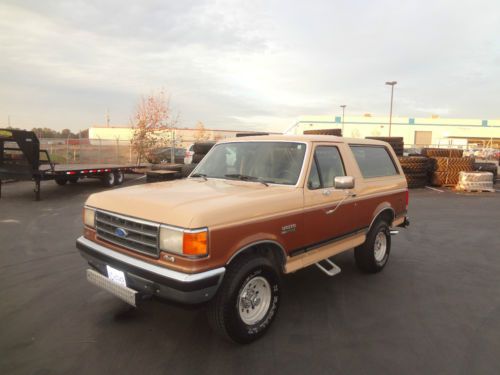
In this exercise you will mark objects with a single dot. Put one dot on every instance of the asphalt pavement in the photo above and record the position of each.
(435, 308)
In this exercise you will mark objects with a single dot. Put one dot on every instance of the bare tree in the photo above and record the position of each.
(201, 133)
(153, 116)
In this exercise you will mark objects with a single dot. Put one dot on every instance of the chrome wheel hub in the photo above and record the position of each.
(254, 300)
(380, 246)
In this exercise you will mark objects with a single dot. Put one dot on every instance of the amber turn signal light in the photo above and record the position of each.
(195, 243)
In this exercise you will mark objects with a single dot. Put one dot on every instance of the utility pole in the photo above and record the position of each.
(343, 113)
(391, 83)
(107, 117)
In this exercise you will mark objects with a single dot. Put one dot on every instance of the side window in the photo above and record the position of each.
(327, 165)
(374, 161)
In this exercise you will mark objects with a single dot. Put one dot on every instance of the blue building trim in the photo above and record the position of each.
(396, 123)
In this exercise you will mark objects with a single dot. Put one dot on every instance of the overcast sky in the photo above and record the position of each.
(246, 64)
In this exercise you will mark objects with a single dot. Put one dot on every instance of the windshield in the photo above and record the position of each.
(268, 162)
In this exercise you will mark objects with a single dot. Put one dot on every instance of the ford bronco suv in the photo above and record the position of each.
(253, 210)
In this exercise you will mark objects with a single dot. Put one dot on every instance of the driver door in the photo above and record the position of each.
(325, 208)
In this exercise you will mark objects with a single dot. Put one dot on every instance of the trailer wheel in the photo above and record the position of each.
(108, 179)
(61, 181)
(73, 180)
(119, 177)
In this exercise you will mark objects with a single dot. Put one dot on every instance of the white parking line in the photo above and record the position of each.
(431, 188)
(138, 178)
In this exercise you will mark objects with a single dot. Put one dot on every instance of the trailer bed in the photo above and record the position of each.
(82, 167)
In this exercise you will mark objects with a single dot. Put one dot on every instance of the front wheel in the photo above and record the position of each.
(372, 256)
(247, 301)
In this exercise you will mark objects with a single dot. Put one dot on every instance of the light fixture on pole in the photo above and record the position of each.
(343, 113)
(391, 83)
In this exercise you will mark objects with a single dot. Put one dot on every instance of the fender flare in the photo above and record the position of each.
(260, 242)
(383, 207)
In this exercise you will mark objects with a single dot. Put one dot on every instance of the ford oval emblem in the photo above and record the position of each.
(120, 232)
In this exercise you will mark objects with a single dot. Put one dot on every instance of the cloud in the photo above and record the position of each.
(242, 64)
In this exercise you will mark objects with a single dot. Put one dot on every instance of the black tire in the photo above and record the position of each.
(202, 147)
(417, 180)
(365, 254)
(197, 158)
(61, 181)
(119, 177)
(73, 180)
(108, 179)
(224, 310)
(187, 169)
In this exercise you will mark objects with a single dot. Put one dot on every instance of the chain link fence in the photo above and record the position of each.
(90, 151)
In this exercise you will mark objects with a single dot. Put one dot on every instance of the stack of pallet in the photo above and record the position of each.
(446, 170)
(416, 170)
(475, 181)
(442, 152)
(396, 143)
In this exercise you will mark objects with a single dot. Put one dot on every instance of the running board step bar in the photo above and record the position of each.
(332, 269)
(316, 255)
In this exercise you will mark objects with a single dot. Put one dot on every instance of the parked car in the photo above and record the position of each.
(188, 158)
(253, 210)
(164, 154)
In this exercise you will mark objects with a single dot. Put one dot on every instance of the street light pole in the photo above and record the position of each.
(391, 83)
(343, 113)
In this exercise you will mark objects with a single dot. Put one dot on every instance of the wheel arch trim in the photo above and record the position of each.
(385, 207)
(260, 242)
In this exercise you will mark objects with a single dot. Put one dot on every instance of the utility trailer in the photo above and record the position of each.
(22, 159)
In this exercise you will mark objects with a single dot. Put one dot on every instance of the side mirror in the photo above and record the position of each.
(344, 182)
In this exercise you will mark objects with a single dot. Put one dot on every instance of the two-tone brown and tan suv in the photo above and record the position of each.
(254, 209)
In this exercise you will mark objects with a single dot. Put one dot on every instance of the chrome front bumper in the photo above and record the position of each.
(147, 278)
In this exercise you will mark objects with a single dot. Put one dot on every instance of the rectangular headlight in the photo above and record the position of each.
(184, 242)
(89, 217)
(171, 239)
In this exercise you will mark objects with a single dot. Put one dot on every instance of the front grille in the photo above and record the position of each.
(135, 235)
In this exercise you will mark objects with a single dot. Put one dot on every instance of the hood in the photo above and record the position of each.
(195, 203)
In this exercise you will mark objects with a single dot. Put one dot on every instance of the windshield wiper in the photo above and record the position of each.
(243, 177)
(202, 175)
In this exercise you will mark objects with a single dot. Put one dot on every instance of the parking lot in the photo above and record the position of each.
(435, 309)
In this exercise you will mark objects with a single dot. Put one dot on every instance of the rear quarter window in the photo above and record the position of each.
(374, 161)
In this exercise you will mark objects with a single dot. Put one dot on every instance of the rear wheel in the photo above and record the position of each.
(61, 181)
(372, 256)
(119, 177)
(247, 301)
(108, 179)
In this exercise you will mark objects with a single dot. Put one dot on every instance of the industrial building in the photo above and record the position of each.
(416, 131)
(183, 136)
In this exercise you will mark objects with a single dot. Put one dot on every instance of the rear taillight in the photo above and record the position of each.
(407, 198)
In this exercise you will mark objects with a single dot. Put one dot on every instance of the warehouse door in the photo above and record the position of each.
(423, 138)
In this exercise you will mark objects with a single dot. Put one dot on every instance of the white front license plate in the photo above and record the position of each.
(116, 276)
